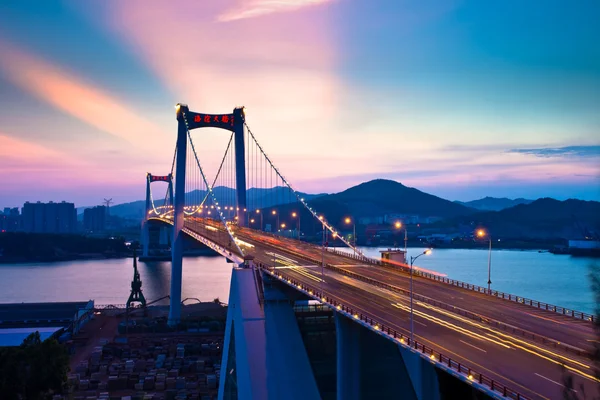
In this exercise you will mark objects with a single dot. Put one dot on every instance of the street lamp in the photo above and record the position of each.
(348, 220)
(294, 215)
(261, 219)
(482, 233)
(274, 212)
(398, 225)
(322, 219)
(412, 324)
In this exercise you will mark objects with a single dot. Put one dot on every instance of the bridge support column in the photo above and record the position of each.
(145, 239)
(177, 246)
(371, 366)
(240, 164)
(422, 374)
(289, 373)
(264, 355)
(244, 362)
(165, 235)
(348, 358)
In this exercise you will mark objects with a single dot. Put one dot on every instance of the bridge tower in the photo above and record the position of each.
(186, 121)
(149, 206)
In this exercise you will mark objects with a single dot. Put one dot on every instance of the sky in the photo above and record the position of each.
(461, 99)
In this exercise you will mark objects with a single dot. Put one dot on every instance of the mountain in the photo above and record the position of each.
(381, 196)
(256, 198)
(494, 203)
(542, 218)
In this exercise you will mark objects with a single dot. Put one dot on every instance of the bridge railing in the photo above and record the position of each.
(390, 333)
(501, 295)
(457, 310)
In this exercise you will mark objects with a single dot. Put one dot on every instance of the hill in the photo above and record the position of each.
(494, 203)
(543, 218)
(381, 196)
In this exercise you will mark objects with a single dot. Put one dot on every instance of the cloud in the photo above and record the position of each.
(72, 95)
(283, 68)
(567, 151)
(256, 8)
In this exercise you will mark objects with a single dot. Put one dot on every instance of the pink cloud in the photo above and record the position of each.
(74, 96)
(281, 66)
(256, 8)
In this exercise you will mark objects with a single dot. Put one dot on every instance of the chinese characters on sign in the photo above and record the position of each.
(224, 121)
(154, 178)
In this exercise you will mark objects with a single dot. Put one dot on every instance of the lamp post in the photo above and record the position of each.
(482, 233)
(323, 253)
(412, 322)
(294, 215)
(398, 225)
(347, 221)
(274, 212)
(261, 219)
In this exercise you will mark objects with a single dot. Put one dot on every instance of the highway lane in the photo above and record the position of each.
(564, 329)
(504, 358)
(441, 331)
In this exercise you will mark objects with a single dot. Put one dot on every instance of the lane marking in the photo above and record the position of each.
(559, 384)
(498, 334)
(419, 322)
(469, 344)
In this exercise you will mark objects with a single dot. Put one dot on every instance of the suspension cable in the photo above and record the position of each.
(231, 235)
(300, 199)
(214, 181)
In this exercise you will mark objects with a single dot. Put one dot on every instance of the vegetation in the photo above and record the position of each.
(35, 370)
(570, 392)
(381, 196)
(17, 246)
(543, 218)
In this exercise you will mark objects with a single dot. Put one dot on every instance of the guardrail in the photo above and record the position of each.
(471, 315)
(399, 337)
(501, 295)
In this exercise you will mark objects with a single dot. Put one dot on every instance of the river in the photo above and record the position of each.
(555, 279)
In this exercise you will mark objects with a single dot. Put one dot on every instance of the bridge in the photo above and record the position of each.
(398, 331)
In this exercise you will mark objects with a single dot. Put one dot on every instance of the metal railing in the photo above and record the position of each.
(399, 337)
(471, 315)
(501, 295)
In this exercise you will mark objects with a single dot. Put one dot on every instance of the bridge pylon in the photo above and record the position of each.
(145, 237)
(186, 121)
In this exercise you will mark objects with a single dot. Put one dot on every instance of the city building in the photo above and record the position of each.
(10, 220)
(49, 217)
(94, 219)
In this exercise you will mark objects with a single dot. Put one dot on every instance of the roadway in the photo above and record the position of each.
(525, 365)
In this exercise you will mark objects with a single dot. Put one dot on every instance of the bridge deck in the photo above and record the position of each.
(501, 347)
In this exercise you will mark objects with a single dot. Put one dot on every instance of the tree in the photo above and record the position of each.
(569, 392)
(35, 370)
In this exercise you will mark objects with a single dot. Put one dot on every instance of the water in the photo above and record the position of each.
(109, 281)
(555, 279)
(551, 278)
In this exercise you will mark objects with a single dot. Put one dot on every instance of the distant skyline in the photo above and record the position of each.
(458, 99)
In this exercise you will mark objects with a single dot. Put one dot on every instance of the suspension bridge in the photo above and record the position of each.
(463, 341)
